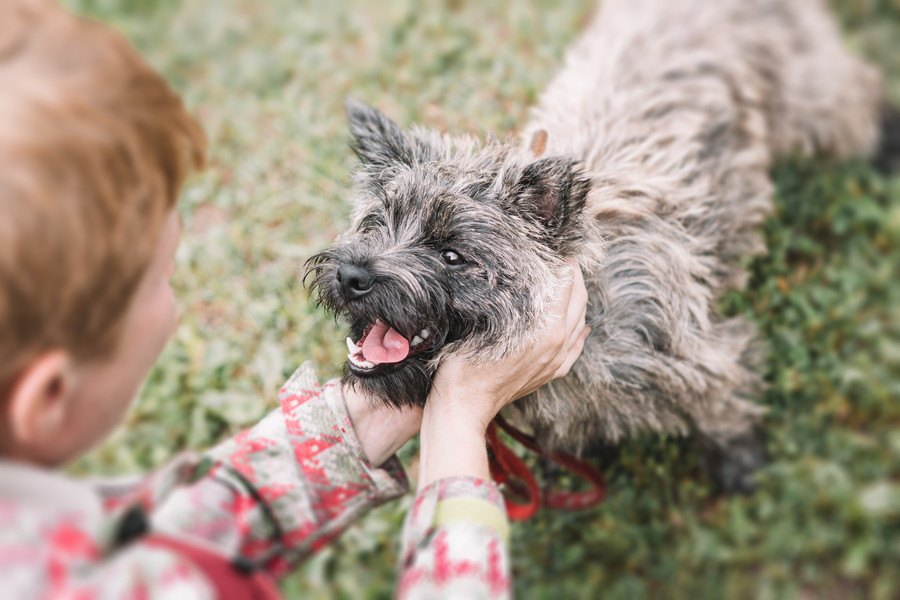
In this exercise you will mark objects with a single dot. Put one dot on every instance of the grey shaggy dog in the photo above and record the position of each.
(647, 159)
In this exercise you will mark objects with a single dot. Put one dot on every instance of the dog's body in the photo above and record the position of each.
(647, 159)
(676, 110)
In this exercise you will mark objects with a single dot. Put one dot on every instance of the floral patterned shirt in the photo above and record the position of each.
(231, 521)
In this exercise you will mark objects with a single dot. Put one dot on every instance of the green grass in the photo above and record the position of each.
(268, 80)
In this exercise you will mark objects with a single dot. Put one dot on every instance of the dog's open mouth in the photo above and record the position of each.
(382, 346)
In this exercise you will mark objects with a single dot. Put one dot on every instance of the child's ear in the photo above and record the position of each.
(39, 401)
(550, 191)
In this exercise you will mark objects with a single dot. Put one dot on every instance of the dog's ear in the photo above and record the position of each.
(377, 140)
(551, 191)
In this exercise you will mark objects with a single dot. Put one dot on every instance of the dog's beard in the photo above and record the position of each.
(407, 385)
(404, 382)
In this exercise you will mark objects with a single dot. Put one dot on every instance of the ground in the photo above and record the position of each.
(268, 79)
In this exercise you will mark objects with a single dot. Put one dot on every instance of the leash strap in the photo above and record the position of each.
(511, 471)
(507, 468)
(229, 582)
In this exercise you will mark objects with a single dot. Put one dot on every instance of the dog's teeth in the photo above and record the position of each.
(424, 333)
(416, 341)
(364, 364)
(353, 348)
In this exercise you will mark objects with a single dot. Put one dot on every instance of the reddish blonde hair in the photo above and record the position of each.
(94, 148)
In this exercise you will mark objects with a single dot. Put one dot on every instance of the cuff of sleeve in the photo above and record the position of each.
(472, 511)
(455, 501)
(389, 479)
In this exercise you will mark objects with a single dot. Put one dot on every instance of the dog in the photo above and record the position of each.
(647, 160)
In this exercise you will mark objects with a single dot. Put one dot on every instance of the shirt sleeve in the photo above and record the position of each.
(455, 542)
(276, 493)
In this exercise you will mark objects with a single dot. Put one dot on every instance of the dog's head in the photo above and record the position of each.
(454, 247)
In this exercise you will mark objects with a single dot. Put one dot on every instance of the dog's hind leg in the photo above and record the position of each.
(887, 156)
(829, 102)
(732, 445)
(733, 462)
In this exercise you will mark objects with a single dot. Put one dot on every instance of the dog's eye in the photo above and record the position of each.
(370, 222)
(452, 258)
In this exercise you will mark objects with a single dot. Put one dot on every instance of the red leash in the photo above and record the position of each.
(507, 468)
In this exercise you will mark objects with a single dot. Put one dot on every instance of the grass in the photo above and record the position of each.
(268, 79)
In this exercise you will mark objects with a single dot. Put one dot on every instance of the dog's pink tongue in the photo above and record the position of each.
(384, 345)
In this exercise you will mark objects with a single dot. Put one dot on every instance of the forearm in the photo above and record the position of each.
(452, 444)
(283, 489)
(455, 537)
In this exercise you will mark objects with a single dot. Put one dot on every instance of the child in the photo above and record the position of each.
(94, 148)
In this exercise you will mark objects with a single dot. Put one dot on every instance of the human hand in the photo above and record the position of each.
(483, 390)
(465, 397)
(381, 429)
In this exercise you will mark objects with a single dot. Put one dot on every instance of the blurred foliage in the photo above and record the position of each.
(267, 79)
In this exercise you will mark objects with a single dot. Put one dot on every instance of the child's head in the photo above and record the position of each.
(94, 147)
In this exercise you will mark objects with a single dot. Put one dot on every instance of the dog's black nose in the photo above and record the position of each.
(355, 281)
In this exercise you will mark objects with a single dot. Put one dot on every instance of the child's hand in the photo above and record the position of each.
(381, 429)
(465, 398)
(483, 390)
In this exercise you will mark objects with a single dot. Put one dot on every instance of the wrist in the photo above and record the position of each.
(467, 404)
(452, 443)
(382, 430)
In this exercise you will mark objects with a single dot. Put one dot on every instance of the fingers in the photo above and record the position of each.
(577, 309)
(576, 298)
(562, 305)
(576, 330)
(555, 350)
(569, 289)
(562, 361)
(558, 330)
(573, 353)
(579, 325)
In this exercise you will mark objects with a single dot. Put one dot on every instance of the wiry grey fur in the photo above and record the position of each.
(660, 133)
